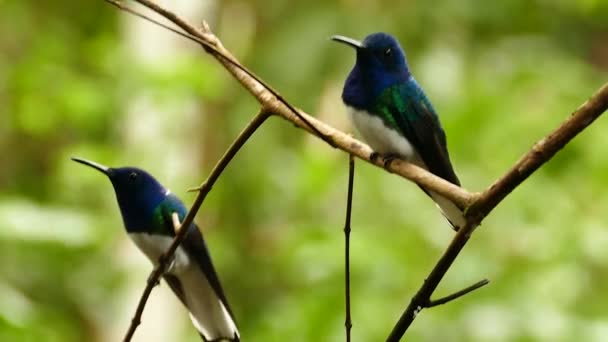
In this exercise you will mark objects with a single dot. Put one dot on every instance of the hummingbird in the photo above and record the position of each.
(147, 209)
(393, 114)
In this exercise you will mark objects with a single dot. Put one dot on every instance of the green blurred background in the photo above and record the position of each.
(81, 78)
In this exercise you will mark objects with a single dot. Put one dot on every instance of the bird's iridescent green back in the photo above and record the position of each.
(400, 100)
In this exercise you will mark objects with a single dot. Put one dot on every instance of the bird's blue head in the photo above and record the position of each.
(137, 192)
(380, 64)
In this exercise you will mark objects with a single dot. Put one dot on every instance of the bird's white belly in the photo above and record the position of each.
(381, 138)
(153, 246)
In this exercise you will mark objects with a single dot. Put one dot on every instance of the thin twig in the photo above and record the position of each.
(213, 49)
(275, 104)
(206, 186)
(348, 324)
(540, 153)
(458, 294)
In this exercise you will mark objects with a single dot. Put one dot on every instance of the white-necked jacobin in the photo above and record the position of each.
(147, 209)
(393, 115)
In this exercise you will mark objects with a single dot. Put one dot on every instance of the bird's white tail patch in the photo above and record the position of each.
(207, 312)
(449, 210)
(227, 318)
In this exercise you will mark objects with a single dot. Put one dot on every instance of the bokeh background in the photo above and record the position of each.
(81, 78)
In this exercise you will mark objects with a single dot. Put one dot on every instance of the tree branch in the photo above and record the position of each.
(540, 153)
(204, 189)
(273, 103)
(214, 47)
(349, 204)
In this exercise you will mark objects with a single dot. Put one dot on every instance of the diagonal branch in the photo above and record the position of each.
(273, 103)
(540, 153)
(214, 47)
(204, 189)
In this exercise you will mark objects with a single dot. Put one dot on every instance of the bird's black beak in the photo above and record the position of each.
(96, 166)
(348, 41)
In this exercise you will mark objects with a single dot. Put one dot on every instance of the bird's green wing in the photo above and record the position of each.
(407, 108)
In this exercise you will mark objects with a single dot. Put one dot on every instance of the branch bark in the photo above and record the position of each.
(274, 103)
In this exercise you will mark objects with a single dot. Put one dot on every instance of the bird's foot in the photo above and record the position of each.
(373, 157)
(388, 159)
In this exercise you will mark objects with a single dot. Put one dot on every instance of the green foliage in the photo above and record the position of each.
(81, 78)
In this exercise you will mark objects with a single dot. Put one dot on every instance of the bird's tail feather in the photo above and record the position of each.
(449, 210)
(230, 333)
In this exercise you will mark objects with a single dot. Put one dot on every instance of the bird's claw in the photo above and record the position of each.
(373, 157)
(388, 159)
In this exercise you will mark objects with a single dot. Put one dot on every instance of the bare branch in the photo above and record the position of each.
(213, 46)
(273, 103)
(349, 204)
(204, 189)
(542, 151)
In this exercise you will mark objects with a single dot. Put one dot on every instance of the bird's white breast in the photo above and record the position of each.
(154, 245)
(380, 137)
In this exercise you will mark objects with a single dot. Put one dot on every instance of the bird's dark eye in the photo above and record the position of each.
(388, 52)
(132, 176)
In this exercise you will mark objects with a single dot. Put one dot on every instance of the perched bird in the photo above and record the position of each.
(394, 116)
(147, 209)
